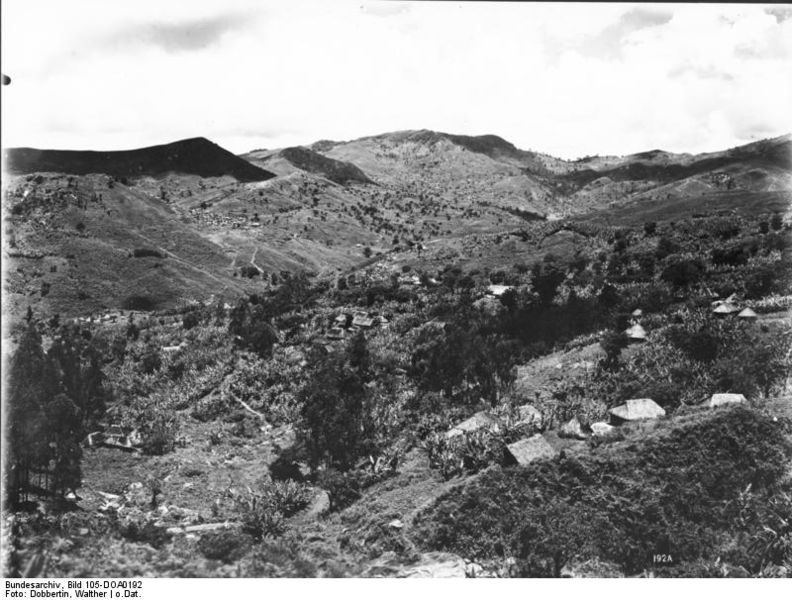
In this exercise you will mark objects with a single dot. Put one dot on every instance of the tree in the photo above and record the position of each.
(776, 222)
(334, 422)
(546, 277)
(251, 325)
(79, 362)
(44, 426)
(683, 272)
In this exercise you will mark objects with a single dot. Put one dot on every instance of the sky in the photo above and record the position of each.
(565, 79)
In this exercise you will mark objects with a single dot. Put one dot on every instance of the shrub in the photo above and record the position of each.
(190, 320)
(159, 431)
(468, 452)
(249, 271)
(143, 252)
(227, 546)
(263, 512)
(683, 272)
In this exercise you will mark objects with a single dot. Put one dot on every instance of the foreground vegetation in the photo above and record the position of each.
(317, 431)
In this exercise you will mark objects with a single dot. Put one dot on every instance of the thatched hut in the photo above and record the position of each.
(636, 333)
(498, 290)
(747, 314)
(725, 309)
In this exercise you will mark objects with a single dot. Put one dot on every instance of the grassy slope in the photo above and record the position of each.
(669, 488)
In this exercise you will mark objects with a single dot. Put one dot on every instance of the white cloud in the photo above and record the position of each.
(570, 80)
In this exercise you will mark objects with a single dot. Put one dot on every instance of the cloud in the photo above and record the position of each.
(781, 13)
(609, 42)
(193, 35)
(699, 72)
(568, 79)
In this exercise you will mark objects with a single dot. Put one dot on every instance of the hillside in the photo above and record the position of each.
(407, 199)
(289, 160)
(196, 156)
(431, 372)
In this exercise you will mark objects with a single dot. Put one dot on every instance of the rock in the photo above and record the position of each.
(528, 414)
(396, 524)
(138, 495)
(319, 506)
(723, 399)
(527, 450)
(430, 564)
(572, 429)
(603, 430)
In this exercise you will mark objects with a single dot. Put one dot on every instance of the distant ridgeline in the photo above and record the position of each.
(196, 156)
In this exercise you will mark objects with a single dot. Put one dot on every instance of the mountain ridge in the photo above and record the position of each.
(192, 156)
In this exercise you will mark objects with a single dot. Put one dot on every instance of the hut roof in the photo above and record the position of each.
(335, 333)
(725, 308)
(636, 332)
(721, 399)
(530, 449)
(637, 409)
(637, 313)
(498, 290)
(362, 321)
(747, 313)
(480, 421)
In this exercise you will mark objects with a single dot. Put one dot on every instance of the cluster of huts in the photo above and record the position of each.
(729, 307)
(537, 446)
(720, 308)
(115, 437)
(349, 322)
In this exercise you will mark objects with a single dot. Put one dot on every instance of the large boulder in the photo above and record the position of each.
(526, 451)
(723, 399)
(638, 409)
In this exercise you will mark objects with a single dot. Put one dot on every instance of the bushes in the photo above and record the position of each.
(682, 272)
(227, 546)
(469, 452)
(159, 431)
(143, 252)
(676, 493)
(263, 512)
(249, 271)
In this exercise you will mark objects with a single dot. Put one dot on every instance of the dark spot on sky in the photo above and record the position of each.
(781, 13)
(6, 79)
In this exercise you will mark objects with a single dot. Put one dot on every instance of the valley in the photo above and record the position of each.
(397, 356)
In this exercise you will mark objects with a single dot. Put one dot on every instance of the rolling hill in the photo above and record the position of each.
(298, 158)
(196, 156)
(218, 223)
